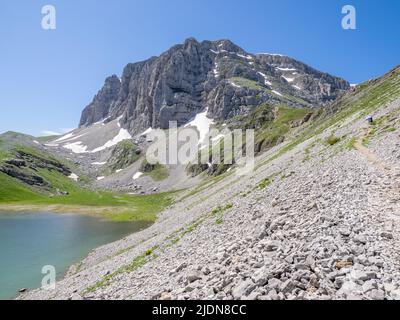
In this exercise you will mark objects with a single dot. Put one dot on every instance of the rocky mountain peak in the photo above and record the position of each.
(217, 76)
(100, 107)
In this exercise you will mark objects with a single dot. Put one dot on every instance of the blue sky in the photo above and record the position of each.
(48, 77)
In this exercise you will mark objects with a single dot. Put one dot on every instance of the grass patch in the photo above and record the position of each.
(157, 172)
(136, 263)
(351, 143)
(247, 83)
(264, 183)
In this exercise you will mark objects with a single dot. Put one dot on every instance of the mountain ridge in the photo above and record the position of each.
(217, 76)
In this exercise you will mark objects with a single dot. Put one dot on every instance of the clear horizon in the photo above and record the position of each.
(49, 76)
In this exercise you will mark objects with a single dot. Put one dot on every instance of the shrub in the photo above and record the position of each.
(331, 140)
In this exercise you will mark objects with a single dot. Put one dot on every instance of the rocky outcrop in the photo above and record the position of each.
(24, 176)
(35, 161)
(124, 154)
(99, 108)
(24, 167)
(214, 75)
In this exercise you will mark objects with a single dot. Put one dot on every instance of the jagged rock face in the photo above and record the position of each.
(218, 76)
(99, 108)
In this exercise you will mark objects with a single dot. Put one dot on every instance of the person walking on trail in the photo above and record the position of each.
(370, 119)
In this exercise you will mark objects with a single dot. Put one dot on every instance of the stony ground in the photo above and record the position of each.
(317, 222)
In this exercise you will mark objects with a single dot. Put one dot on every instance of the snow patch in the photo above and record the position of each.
(100, 178)
(276, 92)
(265, 78)
(248, 57)
(296, 87)
(202, 123)
(121, 136)
(286, 69)
(137, 175)
(119, 170)
(76, 147)
(147, 131)
(73, 176)
(288, 79)
(66, 137)
(99, 163)
(35, 141)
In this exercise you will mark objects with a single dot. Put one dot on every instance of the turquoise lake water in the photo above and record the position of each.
(29, 241)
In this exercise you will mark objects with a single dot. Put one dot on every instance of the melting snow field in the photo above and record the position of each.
(202, 123)
(288, 79)
(100, 178)
(66, 137)
(121, 136)
(137, 175)
(76, 147)
(99, 163)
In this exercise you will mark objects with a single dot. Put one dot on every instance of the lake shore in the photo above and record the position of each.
(108, 213)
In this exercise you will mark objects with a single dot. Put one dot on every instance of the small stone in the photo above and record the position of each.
(387, 235)
(369, 285)
(165, 296)
(302, 266)
(271, 246)
(244, 288)
(375, 261)
(345, 232)
(260, 277)
(206, 271)
(288, 286)
(181, 267)
(377, 294)
(343, 264)
(193, 276)
(274, 283)
(273, 295)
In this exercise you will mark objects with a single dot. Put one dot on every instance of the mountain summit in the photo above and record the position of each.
(217, 76)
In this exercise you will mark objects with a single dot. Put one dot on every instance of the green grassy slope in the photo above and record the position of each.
(16, 195)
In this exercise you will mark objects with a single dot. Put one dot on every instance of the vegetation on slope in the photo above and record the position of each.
(157, 172)
(63, 194)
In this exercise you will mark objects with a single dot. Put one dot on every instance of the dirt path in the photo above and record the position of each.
(370, 156)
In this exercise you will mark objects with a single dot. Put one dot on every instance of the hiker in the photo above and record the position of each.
(370, 120)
